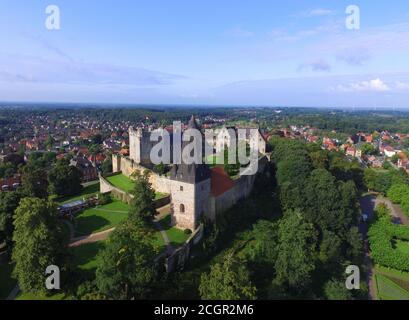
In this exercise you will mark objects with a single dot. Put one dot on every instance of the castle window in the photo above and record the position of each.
(181, 188)
(182, 208)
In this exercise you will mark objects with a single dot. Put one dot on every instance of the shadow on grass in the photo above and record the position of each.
(91, 189)
(85, 256)
(90, 224)
(166, 223)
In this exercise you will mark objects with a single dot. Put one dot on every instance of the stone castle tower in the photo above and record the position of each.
(190, 191)
(140, 146)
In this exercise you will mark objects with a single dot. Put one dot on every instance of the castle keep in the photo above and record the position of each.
(195, 190)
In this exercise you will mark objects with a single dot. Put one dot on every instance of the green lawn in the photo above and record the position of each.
(176, 236)
(390, 290)
(7, 283)
(36, 297)
(216, 159)
(158, 242)
(90, 190)
(126, 184)
(101, 218)
(85, 256)
(393, 273)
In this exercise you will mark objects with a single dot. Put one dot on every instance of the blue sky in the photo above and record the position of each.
(206, 52)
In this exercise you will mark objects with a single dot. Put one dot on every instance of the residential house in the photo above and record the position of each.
(89, 172)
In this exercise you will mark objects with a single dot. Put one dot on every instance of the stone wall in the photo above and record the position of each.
(241, 190)
(127, 166)
(196, 199)
(180, 256)
(106, 187)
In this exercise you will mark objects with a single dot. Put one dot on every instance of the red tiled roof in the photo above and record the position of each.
(221, 181)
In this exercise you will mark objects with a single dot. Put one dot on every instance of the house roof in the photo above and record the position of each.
(220, 182)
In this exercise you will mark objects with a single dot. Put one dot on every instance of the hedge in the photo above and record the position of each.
(381, 235)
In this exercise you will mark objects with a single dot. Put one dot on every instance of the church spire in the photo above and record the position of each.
(192, 124)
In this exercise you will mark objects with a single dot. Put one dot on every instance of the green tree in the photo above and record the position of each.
(336, 290)
(49, 142)
(95, 149)
(34, 182)
(7, 170)
(330, 248)
(398, 192)
(160, 169)
(292, 170)
(64, 180)
(107, 165)
(39, 242)
(368, 149)
(395, 159)
(296, 251)
(229, 280)
(142, 205)
(96, 139)
(319, 159)
(127, 269)
(9, 202)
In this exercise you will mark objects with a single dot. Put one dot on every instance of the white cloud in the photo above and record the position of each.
(375, 85)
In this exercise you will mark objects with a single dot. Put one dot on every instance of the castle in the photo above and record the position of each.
(195, 190)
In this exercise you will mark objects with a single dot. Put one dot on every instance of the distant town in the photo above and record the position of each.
(79, 194)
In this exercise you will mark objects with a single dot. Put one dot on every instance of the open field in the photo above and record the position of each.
(126, 184)
(101, 218)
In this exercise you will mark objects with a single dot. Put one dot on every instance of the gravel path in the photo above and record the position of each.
(398, 216)
(95, 237)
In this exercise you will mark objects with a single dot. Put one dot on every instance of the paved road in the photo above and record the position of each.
(368, 205)
(13, 294)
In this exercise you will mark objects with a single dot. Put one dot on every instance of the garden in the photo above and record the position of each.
(389, 244)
